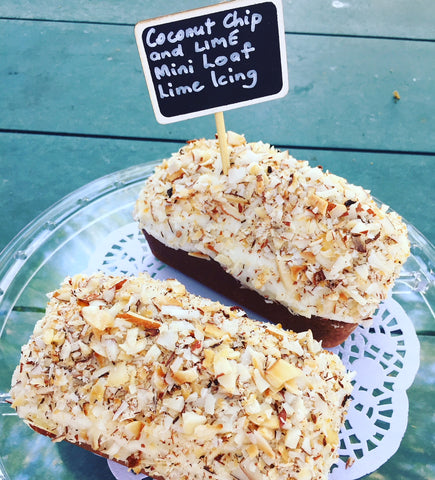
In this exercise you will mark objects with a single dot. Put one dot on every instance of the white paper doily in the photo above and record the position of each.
(385, 358)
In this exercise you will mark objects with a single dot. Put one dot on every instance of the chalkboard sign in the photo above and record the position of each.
(214, 58)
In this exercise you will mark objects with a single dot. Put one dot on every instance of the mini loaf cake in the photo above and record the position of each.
(179, 387)
(300, 246)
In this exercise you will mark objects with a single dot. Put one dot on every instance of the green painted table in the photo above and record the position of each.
(74, 107)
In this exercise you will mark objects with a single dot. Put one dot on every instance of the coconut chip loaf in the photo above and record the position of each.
(179, 387)
(301, 246)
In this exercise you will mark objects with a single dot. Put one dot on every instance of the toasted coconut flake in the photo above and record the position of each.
(179, 312)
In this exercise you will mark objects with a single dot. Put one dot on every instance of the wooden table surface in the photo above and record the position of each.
(74, 107)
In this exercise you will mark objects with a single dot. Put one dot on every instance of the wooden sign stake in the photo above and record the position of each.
(189, 77)
(222, 138)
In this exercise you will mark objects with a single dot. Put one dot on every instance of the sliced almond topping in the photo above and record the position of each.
(185, 376)
(147, 323)
(264, 418)
(262, 443)
(62, 295)
(229, 381)
(331, 436)
(337, 211)
(295, 270)
(199, 255)
(315, 201)
(167, 300)
(235, 198)
(252, 450)
(235, 139)
(274, 331)
(97, 391)
(213, 331)
(309, 256)
(208, 358)
(175, 175)
(158, 379)
(48, 336)
(251, 471)
(175, 286)
(232, 211)
(281, 372)
(221, 364)
(134, 428)
(207, 432)
(260, 382)
(267, 433)
(118, 375)
(87, 409)
(97, 318)
(191, 420)
(292, 437)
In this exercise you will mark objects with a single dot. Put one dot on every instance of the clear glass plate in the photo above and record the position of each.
(60, 243)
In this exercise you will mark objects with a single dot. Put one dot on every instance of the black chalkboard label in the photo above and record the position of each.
(214, 58)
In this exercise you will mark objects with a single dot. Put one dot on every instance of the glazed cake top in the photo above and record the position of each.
(179, 386)
(300, 236)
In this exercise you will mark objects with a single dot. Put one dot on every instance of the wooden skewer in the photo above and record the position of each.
(222, 138)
